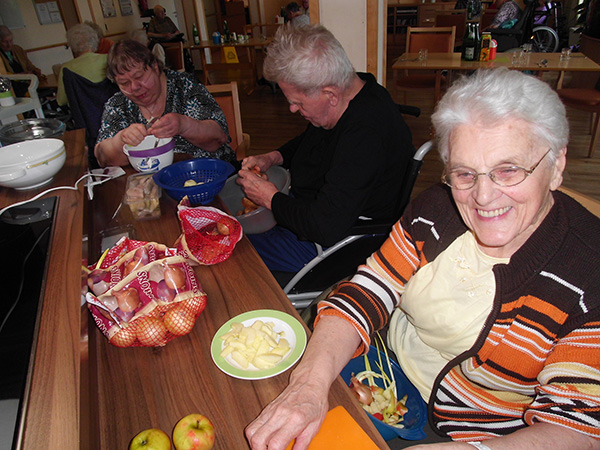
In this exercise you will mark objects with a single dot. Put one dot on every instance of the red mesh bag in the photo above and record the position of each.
(209, 235)
(143, 294)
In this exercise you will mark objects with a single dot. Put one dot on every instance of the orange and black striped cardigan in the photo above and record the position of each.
(537, 357)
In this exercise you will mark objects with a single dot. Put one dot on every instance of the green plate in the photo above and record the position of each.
(294, 333)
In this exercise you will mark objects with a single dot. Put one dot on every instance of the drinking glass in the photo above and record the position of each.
(565, 54)
(423, 54)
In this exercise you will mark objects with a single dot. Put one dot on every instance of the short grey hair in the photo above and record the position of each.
(82, 38)
(309, 58)
(490, 96)
(96, 28)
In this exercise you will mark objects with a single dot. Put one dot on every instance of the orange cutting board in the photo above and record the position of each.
(340, 432)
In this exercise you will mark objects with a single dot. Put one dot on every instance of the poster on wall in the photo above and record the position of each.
(126, 8)
(10, 14)
(47, 12)
(108, 8)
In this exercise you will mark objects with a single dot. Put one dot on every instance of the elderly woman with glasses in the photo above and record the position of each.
(489, 286)
(158, 101)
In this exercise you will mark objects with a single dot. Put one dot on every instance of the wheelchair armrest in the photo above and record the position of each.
(371, 226)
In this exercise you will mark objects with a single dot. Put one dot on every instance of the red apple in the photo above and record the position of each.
(151, 331)
(179, 320)
(151, 439)
(124, 337)
(194, 432)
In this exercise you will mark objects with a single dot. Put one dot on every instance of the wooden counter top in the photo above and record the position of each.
(133, 389)
(52, 414)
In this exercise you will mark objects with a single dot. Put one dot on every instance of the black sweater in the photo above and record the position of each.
(355, 169)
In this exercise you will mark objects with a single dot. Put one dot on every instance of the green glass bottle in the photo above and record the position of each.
(195, 35)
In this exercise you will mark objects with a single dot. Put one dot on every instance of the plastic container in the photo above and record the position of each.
(261, 219)
(31, 164)
(209, 173)
(25, 130)
(142, 196)
(416, 417)
(150, 156)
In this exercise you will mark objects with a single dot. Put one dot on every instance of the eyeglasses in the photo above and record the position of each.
(505, 176)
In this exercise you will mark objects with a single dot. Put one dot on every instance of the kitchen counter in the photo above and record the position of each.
(88, 394)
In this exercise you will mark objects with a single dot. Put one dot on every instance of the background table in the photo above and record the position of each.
(249, 45)
(532, 61)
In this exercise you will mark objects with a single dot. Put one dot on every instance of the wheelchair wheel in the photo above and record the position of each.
(544, 39)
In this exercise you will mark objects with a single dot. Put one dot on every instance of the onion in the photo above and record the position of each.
(174, 277)
(100, 288)
(361, 391)
(156, 273)
(128, 299)
(163, 292)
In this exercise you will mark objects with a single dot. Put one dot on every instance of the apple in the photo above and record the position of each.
(179, 320)
(151, 439)
(194, 432)
(151, 331)
(124, 337)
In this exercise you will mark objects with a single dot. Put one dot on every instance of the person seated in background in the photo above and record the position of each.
(104, 44)
(15, 60)
(83, 42)
(160, 102)
(295, 15)
(305, 6)
(348, 163)
(509, 13)
(488, 285)
(161, 28)
(142, 38)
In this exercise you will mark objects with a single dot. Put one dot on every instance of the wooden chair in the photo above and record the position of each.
(228, 99)
(585, 96)
(435, 40)
(487, 16)
(174, 55)
(589, 203)
(458, 19)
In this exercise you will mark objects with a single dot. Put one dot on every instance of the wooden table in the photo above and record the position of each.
(453, 62)
(137, 388)
(249, 45)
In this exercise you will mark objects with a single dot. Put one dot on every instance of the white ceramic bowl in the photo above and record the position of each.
(148, 156)
(31, 164)
(261, 219)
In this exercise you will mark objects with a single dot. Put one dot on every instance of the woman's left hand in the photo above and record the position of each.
(167, 126)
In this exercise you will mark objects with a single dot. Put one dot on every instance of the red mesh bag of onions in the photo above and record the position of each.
(143, 294)
(209, 235)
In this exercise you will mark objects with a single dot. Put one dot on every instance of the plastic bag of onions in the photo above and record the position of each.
(143, 294)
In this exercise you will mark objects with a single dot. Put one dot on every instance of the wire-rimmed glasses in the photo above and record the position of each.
(505, 176)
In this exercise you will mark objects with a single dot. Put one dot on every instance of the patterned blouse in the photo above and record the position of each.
(184, 96)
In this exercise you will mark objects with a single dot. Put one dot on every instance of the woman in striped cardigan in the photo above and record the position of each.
(489, 286)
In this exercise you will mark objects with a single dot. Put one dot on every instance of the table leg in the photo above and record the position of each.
(252, 58)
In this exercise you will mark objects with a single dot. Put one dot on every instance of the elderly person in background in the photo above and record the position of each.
(15, 60)
(348, 163)
(160, 102)
(83, 42)
(142, 38)
(104, 43)
(489, 286)
(509, 12)
(161, 28)
(295, 14)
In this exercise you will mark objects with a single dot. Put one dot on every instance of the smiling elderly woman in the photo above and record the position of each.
(489, 285)
(161, 102)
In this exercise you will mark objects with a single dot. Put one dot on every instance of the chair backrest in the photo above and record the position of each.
(591, 204)
(86, 101)
(228, 99)
(174, 58)
(487, 16)
(434, 39)
(453, 19)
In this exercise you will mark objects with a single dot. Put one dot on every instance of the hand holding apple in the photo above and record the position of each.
(151, 439)
(194, 432)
